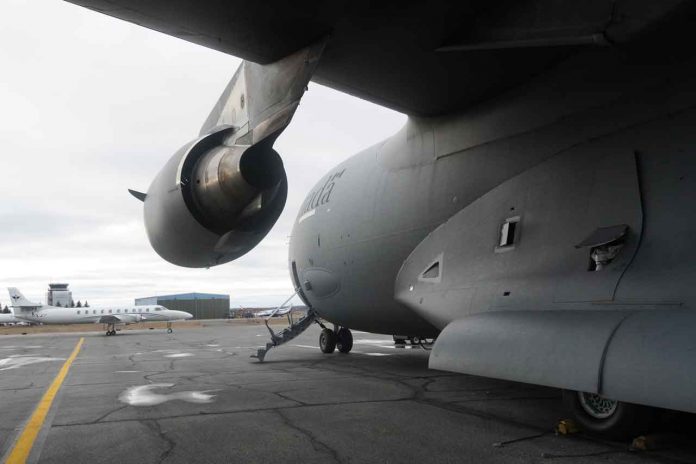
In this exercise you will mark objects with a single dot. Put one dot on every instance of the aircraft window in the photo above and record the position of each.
(78, 311)
(109, 311)
(158, 309)
(102, 311)
(94, 311)
(118, 310)
(147, 310)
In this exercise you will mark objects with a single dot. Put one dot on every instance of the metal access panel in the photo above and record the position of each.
(554, 207)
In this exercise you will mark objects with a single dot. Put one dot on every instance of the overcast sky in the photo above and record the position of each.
(91, 106)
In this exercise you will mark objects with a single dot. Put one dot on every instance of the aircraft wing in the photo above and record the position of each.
(419, 58)
(273, 312)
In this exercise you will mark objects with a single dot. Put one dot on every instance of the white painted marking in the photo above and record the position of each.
(143, 396)
(212, 345)
(18, 347)
(367, 341)
(14, 362)
(178, 355)
(306, 346)
(306, 215)
(125, 372)
(378, 354)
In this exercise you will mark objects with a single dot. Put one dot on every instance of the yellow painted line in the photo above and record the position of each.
(24, 443)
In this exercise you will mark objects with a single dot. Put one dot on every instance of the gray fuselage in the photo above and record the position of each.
(599, 140)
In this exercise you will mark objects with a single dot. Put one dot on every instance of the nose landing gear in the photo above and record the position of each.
(169, 327)
(341, 338)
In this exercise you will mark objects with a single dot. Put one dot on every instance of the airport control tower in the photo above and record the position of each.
(58, 293)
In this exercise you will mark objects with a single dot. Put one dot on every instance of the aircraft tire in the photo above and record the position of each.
(327, 341)
(169, 331)
(344, 340)
(612, 419)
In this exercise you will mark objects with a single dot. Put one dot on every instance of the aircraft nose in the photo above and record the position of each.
(186, 315)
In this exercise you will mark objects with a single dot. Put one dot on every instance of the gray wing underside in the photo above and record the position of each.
(110, 319)
(416, 57)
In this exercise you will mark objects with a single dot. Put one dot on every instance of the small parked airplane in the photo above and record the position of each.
(27, 311)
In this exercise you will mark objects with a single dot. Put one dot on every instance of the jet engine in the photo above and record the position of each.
(220, 194)
(213, 201)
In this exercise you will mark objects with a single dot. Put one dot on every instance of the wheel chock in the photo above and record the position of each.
(646, 443)
(567, 427)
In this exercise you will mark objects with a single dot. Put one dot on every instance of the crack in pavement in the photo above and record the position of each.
(156, 427)
(316, 443)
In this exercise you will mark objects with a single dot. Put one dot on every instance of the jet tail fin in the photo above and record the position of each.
(19, 300)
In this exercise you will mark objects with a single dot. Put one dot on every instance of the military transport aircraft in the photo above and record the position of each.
(534, 214)
(28, 311)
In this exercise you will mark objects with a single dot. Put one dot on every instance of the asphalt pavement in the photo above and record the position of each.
(196, 396)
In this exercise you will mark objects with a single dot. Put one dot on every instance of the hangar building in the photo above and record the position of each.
(201, 305)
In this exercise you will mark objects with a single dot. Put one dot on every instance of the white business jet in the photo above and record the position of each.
(25, 310)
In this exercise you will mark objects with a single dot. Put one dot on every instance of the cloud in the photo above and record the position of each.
(92, 106)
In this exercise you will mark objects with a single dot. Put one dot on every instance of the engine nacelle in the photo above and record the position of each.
(213, 202)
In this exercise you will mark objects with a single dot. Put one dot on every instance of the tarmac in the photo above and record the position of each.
(196, 396)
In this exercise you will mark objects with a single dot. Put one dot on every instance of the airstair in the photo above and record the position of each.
(287, 334)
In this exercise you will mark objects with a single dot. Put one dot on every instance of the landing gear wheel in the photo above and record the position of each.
(415, 341)
(169, 331)
(327, 341)
(344, 340)
(610, 418)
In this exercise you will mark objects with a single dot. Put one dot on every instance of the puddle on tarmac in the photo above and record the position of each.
(143, 395)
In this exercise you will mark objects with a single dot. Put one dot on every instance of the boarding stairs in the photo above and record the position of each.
(287, 334)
